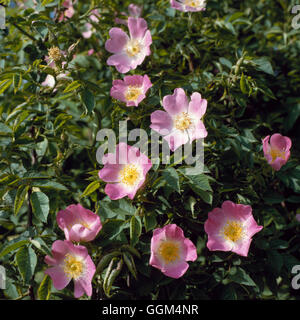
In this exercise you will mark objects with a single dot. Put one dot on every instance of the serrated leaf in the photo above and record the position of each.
(72, 86)
(40, 205)
(26, 261)
(11, 247)
(135, 230)
(172, 178)
(240, 276)
(49, 184)
(93, 186)
(20, 197)
(5, 84)
(88, 99)
(44, 290)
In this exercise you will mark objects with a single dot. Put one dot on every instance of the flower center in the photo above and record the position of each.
(133, 92)
(192, 3)
(182, 121)
(130, 174)
(276, 153)
(233, 231)
(169, 251)
(133, 48)
(73, 266)
(54, 53)
(84, 224)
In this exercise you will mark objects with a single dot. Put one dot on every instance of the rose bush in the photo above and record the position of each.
(224, 75)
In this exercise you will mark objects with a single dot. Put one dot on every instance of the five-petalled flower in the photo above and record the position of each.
(181, 123)
(78, 223)
(129, 51)
(69, 262)
(231, 228)
(131, 90)
(170, 250)
(188, 5)
(125, 170)
(277, 152)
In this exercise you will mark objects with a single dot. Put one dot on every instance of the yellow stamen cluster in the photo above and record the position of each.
(182, 121)
(133, 48)
(54, 54)
(169, 251)
(129, 175)
(73, 266)
(133, 92)
(276, 153)
(233, 231)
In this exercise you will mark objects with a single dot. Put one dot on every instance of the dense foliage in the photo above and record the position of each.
(242, 56)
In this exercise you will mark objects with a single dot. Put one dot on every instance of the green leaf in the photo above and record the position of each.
(243, 84)
(49, 184)
(263, 64)
(135, 230)
(20, 197)
(26, 261)
(150, 221)
(112, 228)
(11, 247)
(5, 84)
(240, 276)
(93, 186)
(44, 290)
(88, 100)
(40, 205)
(72, 86)
(172, 178)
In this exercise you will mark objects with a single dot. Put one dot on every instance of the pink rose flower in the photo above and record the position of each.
(188, 5)
(170, 250)
(129, 52)
(231, 228)
(181, 123)
(78, 223)
(71, 262)
(277, 152)
(131, 90)
(126, 171)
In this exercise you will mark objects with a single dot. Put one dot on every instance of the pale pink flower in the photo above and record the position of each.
(188, 5)
(129, 51)
(125, 170)
(298, 217)
(49, 81)
(277, 152)
(69, 262)
(231, 228)
(68, 12)
(134, 10)
(181, 123)
(78, 223)
(170, 250)
(131, 90)
(90, 30)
